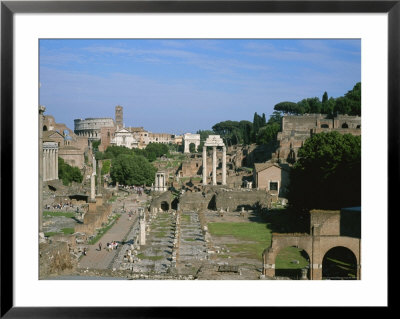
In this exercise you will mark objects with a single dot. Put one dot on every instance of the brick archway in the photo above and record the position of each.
(325, 229)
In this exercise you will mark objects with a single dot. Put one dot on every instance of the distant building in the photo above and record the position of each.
(125, 138)
(91, 127)
(272, 177)
(297, 128)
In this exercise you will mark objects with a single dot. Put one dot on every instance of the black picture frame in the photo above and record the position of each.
(9, 8)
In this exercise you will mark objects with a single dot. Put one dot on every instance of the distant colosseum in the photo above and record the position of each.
(90, 127)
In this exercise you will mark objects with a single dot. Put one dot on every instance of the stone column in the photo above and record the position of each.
(92, 188)
(142, 235)
(44, 164)
(47, 164)
(204, 165)
(41, 172)
(53, 164)
(224, 165)
(56, 163)
(214, 166)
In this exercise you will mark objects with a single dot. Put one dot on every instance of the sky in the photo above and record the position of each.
(183, 85)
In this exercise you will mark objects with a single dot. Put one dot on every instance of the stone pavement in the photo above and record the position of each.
(103, 259)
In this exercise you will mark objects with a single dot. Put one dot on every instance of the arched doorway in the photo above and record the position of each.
(212, 205)
(192, 148)
(324, 126)
(339, 263)
(345, 125)
(44, 128)
(174, 204)
(290, 262)
(164, 206)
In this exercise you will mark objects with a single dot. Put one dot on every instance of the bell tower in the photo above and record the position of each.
(119, 118)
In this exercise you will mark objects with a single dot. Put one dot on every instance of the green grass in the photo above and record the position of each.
(258, 234)
(244, 231)
(58, 214)
(65, 231)
(103, 230)
(68, 231)
(185, 218)
(288, 254)
(160, 234)
(190, 239)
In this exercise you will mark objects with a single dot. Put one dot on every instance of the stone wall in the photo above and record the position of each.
(297, 128)
(195, 201)
(235, 199)
(72, 156)
(325, 222)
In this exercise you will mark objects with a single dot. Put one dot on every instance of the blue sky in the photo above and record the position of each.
(178, 86)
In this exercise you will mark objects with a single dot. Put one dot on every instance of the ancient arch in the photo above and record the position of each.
(345, 125)
(300, 260)
(164, 206)
(188, 139)
(346, 268)
(325, 235)
(174, 204)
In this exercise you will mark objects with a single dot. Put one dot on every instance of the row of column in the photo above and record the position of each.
(50, 163)
(87, 134)
(214, 165)
(160, 183)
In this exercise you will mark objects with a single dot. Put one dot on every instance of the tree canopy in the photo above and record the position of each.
(349, 104)
(328, 172)
(68, 173)
(132, 170)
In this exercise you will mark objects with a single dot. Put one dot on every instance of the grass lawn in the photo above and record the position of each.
(287, 255)
(58, 214)
(65, 231)
(185, 218)
(256, 235)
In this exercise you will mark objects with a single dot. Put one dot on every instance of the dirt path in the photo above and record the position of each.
(102, 259)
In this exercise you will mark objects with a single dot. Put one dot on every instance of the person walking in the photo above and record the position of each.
(100, 244)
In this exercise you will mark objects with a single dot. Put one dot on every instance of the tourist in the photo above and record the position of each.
(84, 251)
(100, 246)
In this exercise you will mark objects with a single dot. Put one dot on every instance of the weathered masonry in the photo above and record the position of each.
(188, 139)
(328, 230)
(297, 128)
(50, 161)
(214, 141)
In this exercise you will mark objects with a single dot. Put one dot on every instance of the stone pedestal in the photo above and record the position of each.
(92, 206)
(99, 200)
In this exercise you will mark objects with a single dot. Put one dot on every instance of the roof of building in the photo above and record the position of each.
(263, 166)
(48, 134)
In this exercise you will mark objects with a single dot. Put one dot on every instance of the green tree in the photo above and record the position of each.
(132, 170)
(328, 172)
(192, 148)
(268, 133)
(106, 167)
(68, 173)
(287, 107)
